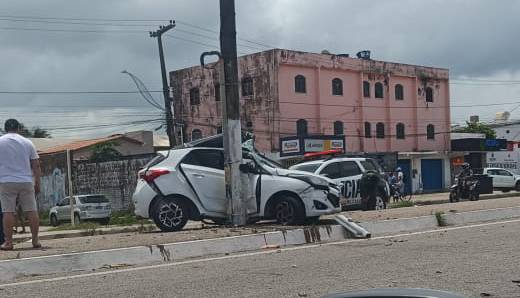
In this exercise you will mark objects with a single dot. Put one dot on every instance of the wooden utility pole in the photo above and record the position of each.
(166, 92)
(231, 113)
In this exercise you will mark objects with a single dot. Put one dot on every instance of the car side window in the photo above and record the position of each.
(205, 158)
(65, 202)
(349, 168)
(332, 171)
(504, 173)
(491, 172)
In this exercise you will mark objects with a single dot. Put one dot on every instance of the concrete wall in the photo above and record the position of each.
(54, 179)
(115, 179)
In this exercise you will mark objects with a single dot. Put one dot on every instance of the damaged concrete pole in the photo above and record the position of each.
(231, 113)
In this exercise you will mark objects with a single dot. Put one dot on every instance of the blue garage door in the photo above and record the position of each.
(405, 166)
(431, 172)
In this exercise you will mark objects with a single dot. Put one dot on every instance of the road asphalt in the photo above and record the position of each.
(477, 261)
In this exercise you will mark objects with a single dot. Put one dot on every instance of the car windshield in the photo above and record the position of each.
(310, 167)
(370, 165)
(93, 199)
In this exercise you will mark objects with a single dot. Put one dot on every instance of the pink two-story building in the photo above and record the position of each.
(376, 106)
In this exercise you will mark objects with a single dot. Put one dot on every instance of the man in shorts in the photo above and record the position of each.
(19, 180)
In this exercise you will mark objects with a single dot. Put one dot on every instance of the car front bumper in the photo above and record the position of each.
(328, 201)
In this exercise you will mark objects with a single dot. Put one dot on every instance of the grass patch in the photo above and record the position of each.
(87, 226)
(402, 204)
(123, 218)
(440, 218)
(44, 218)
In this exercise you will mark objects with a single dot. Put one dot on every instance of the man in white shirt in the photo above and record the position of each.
(19, 180)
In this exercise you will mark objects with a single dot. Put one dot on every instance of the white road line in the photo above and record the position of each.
(243, 255)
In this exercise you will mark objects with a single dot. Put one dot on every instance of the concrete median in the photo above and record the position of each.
(14, 269)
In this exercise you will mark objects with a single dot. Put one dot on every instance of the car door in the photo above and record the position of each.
(350, 176)
(204, 169)
(63, 209)
(497, 182)
(508, 179)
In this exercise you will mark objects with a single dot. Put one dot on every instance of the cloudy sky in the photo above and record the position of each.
(59, 45)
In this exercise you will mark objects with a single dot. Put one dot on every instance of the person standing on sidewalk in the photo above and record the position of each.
(19, 180)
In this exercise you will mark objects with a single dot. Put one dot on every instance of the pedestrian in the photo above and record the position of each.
(19, 179)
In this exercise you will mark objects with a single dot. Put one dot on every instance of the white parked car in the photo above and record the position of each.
(347, 172)
(188, 183)
(86, 207)
(503, 179)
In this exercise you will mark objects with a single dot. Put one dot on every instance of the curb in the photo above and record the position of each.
(82, 233)
(172, 252)
(483, 197)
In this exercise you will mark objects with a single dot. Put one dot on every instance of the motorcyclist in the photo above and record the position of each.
(462, 177)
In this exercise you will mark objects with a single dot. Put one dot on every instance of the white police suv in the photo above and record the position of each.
(347, 172)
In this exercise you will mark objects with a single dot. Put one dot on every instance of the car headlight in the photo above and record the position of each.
(314, 181)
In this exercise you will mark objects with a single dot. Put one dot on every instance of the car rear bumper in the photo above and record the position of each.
(95, 214)
(143, 196)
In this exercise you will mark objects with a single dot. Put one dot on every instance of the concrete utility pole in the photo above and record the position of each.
(231, 113)
(166, 92)
(71, 195)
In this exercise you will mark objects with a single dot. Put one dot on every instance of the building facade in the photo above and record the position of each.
(377, 106)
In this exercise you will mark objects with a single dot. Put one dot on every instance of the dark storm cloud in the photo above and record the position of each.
(471, 38)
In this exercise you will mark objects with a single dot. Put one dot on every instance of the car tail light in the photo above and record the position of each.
(151, 174)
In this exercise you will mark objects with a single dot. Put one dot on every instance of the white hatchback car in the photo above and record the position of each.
(86, 207)
(188, 183)
(347, 172)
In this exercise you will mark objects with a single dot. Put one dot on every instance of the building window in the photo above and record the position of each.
(337, 87)
(430, 132)
(366, 89)
(247, 86)
(429, 94)
(301, 127)
(338, 128)
(399, 131)
(379, 90)
(380, 130)
(196, 134)
(368, 130)
(399, 92)
(194, 96)
(217, 92)
(299, 84)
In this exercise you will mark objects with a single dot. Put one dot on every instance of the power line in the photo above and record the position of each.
(74, 23)
(73, 30)
(83, 19)
(74, 92)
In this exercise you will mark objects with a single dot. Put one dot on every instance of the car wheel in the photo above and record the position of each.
(77, 220)
(170, 214)
(104, 221)
(54, 220)
(453, 197)
(517, 186)
(374, 202)
(289, 211)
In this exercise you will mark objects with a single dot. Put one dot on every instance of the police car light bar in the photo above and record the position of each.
(322, 153)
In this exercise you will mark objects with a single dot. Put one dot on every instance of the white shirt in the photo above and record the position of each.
(16, 153)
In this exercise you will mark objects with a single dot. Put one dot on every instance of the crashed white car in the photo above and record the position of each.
(347, 172)
(188, 184)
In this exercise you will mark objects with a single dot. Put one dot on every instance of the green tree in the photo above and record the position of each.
(104, 152)
(35, 132)
(478, 127)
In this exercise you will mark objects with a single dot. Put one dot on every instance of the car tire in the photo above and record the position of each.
(170, 214)
(517, 186)
(288, 210)
(374, 202)
(77, 219)
(54, 220)
(105, 221)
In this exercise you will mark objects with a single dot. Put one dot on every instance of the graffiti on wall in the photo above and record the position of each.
(52, 188)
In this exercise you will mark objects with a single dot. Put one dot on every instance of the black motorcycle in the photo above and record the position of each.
(464, 188)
